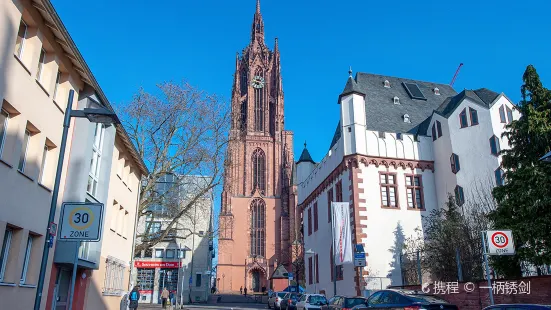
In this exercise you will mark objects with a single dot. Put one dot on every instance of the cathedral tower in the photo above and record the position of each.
(258, 204)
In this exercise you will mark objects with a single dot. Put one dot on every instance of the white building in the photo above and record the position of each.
(401, 147)
(182, 261)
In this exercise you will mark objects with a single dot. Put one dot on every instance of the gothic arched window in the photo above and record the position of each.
(258, 228)
(244, 81)
(243, 124)
(259, 170)
(259, 104)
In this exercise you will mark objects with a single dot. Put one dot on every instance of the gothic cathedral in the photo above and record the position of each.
(258, 213)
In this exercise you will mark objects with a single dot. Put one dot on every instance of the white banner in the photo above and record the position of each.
(342, 241)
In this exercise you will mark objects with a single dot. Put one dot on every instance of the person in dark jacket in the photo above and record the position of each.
(134, 297)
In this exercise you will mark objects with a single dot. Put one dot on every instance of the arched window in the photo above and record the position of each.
(243, 124)
(258, 228)
(259, 104)
(244, 83)
(259, 170)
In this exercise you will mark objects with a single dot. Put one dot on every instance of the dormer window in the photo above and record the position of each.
(396, 100)
(387, 84)
(436, 91)
(406, 118)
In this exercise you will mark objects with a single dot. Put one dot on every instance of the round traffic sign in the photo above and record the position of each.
(81, 218)
(499, 240)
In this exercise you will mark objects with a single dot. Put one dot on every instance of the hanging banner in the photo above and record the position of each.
(342, 233)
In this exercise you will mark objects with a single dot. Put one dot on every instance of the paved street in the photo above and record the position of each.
(229, 306)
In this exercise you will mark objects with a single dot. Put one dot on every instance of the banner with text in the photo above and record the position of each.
(342, 233)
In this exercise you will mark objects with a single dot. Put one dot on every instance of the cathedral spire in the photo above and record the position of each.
(258, 25)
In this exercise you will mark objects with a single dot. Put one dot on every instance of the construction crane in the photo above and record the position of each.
(456, 73)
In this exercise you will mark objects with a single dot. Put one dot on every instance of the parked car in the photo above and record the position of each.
(311, 302)
(344, 303)
(405, 299)
(275, 300)
(518, 307)
(289, 301)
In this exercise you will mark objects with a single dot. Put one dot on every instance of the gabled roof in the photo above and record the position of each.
(305, 156)
(381, 112)
(279, 273)
(482, 97)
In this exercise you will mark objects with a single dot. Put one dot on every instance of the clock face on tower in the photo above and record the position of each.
(257, 82)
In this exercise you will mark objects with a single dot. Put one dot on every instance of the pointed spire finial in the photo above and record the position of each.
(258, 6)
(304, 143)
(350, 71)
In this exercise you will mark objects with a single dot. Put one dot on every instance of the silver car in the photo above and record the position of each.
(275, 300)
(311, 301)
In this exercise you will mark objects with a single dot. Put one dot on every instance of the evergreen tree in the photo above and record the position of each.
(524, 202)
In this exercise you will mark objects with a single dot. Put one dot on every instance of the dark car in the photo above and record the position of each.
(289, 301)
(518, 307)
(344, 303)
(406, 299)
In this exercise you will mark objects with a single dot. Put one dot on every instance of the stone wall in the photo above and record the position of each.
(475, 296)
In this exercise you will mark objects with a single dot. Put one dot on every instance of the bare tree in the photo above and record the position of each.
(181, 133)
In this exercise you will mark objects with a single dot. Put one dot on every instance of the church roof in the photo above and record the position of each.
(279, 273)
(382, 114)
(305, 156)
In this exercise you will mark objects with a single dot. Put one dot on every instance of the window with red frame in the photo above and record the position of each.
(329, 200)
(502, 117)
(463, 118)
(310, 275)
(315, 216)
(474, 116)
(317, 269)
(389, 190)
(414, 191)
(339, 191)
(454, 161)
(309, 222)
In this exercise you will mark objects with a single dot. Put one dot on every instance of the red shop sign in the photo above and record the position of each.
(141, 264)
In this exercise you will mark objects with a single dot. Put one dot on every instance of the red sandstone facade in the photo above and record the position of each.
(257, 219)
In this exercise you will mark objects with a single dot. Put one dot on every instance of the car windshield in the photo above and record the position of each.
(294, 296)
(281, 294)
(316, 300)
(426, 298)
(351, 302)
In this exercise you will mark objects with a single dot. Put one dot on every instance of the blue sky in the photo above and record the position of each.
(129, 44)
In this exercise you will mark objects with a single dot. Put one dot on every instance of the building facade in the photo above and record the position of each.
(258, 211)
(401, 148)
(182, 261)
(40, 64)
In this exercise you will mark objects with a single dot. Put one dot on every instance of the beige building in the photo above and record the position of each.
(39, 65)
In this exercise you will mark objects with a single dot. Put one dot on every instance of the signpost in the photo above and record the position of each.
(359, 256)
(496, 242)
(79, 222)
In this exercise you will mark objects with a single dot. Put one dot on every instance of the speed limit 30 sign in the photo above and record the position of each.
(81, 221)
(500, 242)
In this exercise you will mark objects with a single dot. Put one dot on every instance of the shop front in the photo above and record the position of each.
(153, 276)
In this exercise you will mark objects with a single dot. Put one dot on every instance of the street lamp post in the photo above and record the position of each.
(310, 252)
(100, 115)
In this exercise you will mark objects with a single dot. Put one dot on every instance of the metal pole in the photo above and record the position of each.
(419, 269)
(192, 248)
(315, 275)
(53, 203)
(333, 254)
(485, 254)
(459, 268)
(74, 276)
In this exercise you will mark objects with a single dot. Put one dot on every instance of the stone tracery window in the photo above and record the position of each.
(258, 228)
(259, 170)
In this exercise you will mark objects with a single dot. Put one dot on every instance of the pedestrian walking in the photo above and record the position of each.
(164, 297)
(134, 297)
(241, 290)
(245, 290)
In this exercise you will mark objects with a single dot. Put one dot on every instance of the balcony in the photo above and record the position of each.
(88, 254)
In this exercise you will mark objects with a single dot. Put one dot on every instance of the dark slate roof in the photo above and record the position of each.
(381, 112)
(486, 95)
(336, 135)
(280, 273)
(305, 157)
(483, 97)
(351, 87)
